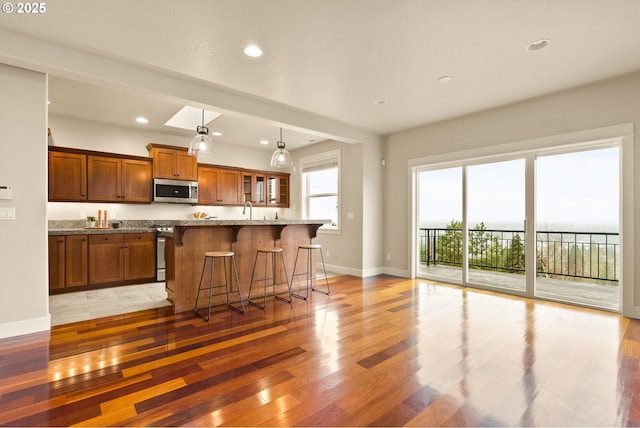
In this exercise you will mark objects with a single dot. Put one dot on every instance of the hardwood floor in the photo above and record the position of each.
(381, 351)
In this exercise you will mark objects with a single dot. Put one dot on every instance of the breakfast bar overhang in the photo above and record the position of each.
(185, 248)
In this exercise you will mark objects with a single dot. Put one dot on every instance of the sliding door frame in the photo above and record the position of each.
(619, 135)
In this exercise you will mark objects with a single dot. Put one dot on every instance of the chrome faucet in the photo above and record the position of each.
(244, 209)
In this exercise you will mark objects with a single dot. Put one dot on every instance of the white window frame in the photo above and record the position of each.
(332, 156)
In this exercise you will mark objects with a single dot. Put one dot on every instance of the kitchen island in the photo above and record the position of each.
(185, 248)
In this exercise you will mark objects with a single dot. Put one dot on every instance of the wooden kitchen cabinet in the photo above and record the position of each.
(68, 261)
(106, 258)
(140, 256)
(122, 257)
(254, 188)
(219, 186)
(76, 261)
(173, 163)
(119, 179)
(56, 262)
(67, 177)
(278, 190)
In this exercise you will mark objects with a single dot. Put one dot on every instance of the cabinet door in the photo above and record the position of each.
(283, 191)
(254, 189)
(106, 261)
(229, 187)
(164, 163)
(56, 262)
(186, 166)
(278, 190)
(137, 184)
(67, 177)
(207, 186)
(140, 255)
(104, 179)
(76, 260)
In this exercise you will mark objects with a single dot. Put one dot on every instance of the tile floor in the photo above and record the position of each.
(84, 305)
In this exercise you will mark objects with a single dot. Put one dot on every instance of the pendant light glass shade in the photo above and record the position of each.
(202, 142)
(281, 157)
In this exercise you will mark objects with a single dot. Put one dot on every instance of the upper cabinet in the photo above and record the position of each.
(278, 190)
(119, 180)
(80, 175)
(219, 186)
(254, 188)
(67, 177)
(173, 163)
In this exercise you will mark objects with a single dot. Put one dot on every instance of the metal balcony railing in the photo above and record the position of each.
(580, 255)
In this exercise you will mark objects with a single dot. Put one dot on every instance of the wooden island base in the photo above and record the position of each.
(185, 250)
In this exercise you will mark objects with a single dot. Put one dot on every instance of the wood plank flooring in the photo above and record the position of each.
(380, 351)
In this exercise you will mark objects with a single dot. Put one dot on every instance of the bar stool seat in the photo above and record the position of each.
(269, 251)
(308, 272)
(212, 256)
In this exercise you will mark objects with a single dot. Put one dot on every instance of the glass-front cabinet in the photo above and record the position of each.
(278, 190)
(253, 188)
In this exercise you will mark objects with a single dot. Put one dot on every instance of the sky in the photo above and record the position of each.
(577, 190)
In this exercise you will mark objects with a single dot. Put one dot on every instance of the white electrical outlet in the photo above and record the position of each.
(112, 215)
(327, 253)
(388, 256)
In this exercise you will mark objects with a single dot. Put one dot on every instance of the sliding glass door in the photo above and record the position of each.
(578, 246)
(473, 224)
(440, 223)
(495, 218)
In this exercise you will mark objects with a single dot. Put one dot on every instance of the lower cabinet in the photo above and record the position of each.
(121, 257)
(68, 261)
(80, 260)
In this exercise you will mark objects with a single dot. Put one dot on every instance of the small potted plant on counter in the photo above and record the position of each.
(91, 221)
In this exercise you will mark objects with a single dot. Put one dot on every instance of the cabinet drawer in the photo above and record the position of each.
(139, 237)
(106, 238)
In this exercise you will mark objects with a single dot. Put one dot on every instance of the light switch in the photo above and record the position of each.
(6, 191)
(350, 216)
(7, 213)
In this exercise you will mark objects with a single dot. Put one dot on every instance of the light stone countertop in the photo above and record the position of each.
(144, 226)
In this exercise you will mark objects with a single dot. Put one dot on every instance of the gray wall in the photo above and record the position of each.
(24, 302)
(345, 249)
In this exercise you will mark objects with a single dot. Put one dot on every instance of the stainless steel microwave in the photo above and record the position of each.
(175, 191)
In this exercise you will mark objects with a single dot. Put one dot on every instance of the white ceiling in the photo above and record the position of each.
(336, 57)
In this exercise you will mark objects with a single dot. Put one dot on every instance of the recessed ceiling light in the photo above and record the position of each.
(216, 133)
(445, 79)
(253, 51)
(538, 44)
(380, 102)
(142, 119)
(264, 142)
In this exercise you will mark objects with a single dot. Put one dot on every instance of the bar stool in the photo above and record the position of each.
(269, 251)
(213, 255)
(309, 279)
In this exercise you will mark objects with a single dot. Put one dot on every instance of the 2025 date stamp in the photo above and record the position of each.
(32, 8)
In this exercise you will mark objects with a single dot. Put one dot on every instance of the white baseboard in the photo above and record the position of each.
(19, 328)
(402, 273)
(363, 273)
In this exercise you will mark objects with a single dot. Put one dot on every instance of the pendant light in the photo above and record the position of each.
(281, 157)
(202, 142)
